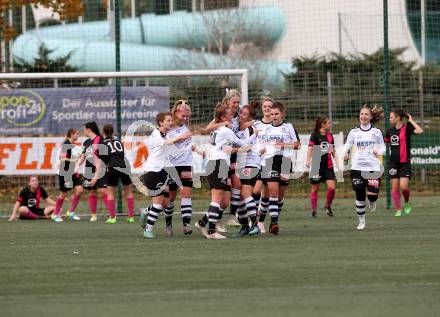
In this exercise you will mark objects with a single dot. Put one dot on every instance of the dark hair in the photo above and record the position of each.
(278, 105)
(252, 108)
(108, 130)
(376, 111)
(400, 113)
(70, 132)
(219, 111)
(319, 122)
(160, 117)
(92, 125)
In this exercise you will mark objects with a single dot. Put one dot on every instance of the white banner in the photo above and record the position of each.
(39, 156)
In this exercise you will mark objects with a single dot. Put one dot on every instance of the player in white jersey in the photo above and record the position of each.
(366, 168)
(280, 141)
(232, 101)
(248, 165)
(223, 141)
(260, 192)
(181, 160)
(156, 178)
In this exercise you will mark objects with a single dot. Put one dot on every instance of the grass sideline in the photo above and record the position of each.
(314, 267)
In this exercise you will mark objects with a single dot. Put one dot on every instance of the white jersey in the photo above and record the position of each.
(225, 137)
(235, 123)
(285, 133)
(157, 152)
(251, 157)
(365, 141)
(182, 152)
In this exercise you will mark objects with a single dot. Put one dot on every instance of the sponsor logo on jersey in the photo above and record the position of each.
(394, 140)
(32, 202)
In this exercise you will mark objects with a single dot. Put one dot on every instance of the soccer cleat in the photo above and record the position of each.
(169, 231)
(254, 230)
(314, 213)
(56, 218)
(261, 227)
(407, 209)
(215, 236)
(244, 231)
(202, 229)
(220, 227)
(361, 225)
(93, 218)
(72, 216)
(111, 220)
(143, 217)
(130, 219)
(372, 206)
(398, 213)
(328, 211)
(148, 234)
(232, 221)
(187, 229)
(274, 228)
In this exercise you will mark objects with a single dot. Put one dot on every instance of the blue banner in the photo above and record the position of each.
(54, 110)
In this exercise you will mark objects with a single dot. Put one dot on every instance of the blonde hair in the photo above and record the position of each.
(231, 93)
(377, 113)
(178, 106)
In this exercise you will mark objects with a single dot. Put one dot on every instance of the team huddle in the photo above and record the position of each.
(249, 166)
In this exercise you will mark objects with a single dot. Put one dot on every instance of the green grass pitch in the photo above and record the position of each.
(315, 267)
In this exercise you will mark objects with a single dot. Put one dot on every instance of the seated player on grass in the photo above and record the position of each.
(28, 202)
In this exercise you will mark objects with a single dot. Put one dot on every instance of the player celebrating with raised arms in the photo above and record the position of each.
(399, 138)
(322, 141)
(223, 141)
(182, 161)
(156, 177)
(281, 139)
(68, 178)
(366, 168)
(95, 170)
(28, 202)
(118, 168)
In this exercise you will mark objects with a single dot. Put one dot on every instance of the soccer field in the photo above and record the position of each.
(315, 267)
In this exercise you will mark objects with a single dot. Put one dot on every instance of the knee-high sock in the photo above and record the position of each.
(74, 202)
(111, 207)
(314, 200)
(30, 215)
(242, 214)
(186, 210)
(93, 203)
(169, 214)
(251, 209)
(330, 197)
(264, 207)
(396, 199)
(130, 206)
(273, 209)
(256, 198)
(213, 216)
(235, 200)
(153, 213)
(58, 205)
(405, 194)
(360, 203)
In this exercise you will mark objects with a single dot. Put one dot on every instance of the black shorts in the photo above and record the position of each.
(113, 177)
(399, 170)
(218, 177)
(250, 175)
(277, 169)
(100, 183)
(358, 182)
(34, 210)
(185, 175)
(325, 174)
(66, 185)
(156, 182)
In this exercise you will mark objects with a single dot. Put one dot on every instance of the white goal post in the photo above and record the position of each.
(243, 73)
